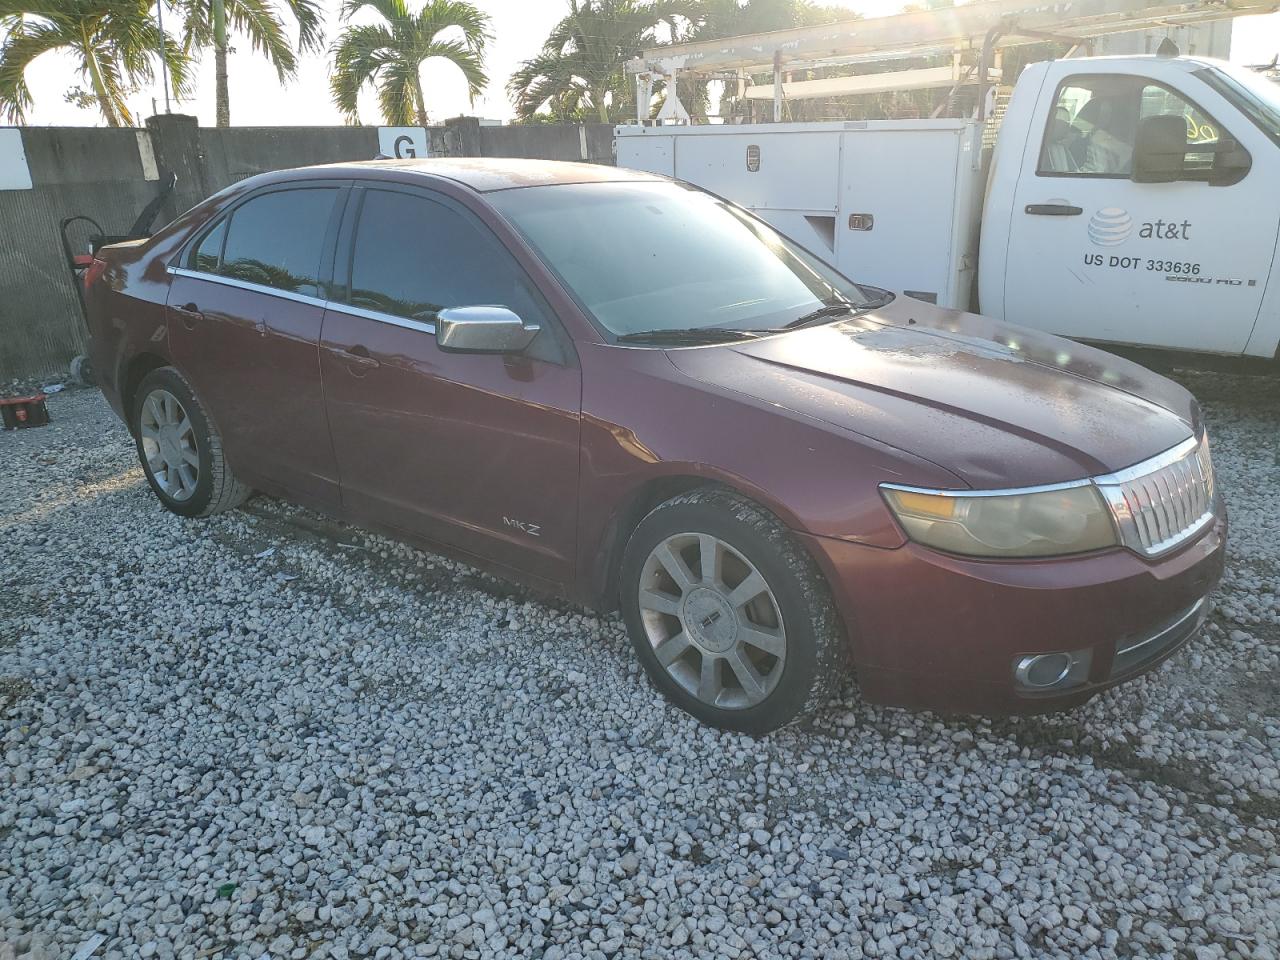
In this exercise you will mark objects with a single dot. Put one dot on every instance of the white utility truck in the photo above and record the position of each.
(1126, 200)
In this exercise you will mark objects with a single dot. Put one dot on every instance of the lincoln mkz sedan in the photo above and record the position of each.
(625, 391)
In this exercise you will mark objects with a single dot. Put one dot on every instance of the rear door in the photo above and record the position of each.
(245, 307)
(478, 451)
(1096, 256)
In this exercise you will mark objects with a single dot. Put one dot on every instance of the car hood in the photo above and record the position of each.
(995, 404)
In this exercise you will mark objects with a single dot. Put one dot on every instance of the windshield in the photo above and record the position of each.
(1251, 93)
(642, 258)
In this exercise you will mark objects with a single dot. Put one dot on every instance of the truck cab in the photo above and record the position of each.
(1134, 200)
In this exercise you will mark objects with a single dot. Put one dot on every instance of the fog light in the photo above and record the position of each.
(1042, 672)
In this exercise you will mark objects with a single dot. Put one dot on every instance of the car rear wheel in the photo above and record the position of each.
(180, 449)
(730, 617)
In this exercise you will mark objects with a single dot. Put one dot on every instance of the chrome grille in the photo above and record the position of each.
(1161, 502)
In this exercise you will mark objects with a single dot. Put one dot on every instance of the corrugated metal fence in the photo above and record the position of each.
(110, 175)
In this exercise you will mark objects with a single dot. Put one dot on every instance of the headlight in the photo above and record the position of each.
(1032, 523)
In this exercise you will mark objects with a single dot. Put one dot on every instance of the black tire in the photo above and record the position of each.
(816, 655)
(216, 489)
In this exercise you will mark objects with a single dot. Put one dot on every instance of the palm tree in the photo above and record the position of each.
(115, 41)
(205, 24)
(389, 55)
(581, 64)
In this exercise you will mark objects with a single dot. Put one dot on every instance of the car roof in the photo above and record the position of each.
(483, 174)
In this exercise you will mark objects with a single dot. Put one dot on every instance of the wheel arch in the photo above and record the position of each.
(603, 586)
(132, 373)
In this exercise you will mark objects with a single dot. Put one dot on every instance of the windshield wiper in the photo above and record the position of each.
(688, 335)
(822, 313)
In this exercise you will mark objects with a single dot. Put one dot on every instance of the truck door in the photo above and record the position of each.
(1095, 255)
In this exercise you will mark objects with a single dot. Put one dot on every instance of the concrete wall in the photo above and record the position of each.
(110, 175)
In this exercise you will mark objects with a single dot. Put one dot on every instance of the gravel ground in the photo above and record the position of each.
(272, 735)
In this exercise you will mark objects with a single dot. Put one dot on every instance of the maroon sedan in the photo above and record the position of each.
(625, 391)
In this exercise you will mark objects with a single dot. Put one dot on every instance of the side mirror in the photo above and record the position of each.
(1160, 150)
(1231, 163)
(487, 329)
(1160, 154)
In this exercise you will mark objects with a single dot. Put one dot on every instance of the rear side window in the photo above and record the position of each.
(207, 255)
(276, 239)
(413, 257)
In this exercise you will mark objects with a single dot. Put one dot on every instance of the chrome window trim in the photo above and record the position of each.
(380, 317)
(303, 298)
(246, 285)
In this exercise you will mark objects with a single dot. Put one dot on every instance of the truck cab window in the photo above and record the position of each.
(1094, 125)
(1092, 128)
(1160, 101)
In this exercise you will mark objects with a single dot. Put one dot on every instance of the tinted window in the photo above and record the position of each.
(208, 253)
(276, 239)
(413, 257)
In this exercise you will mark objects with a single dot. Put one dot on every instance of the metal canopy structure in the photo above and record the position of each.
(984, 23)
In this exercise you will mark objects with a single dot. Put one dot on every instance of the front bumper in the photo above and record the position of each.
(931, 631)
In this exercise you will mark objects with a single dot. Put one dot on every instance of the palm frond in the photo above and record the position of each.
(358, 56)
(29, 41)
(439, 15)
(468, 61)
(397, 93)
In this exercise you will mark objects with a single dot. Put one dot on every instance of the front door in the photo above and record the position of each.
(1096, 256)
(478, 451)
(245, 310)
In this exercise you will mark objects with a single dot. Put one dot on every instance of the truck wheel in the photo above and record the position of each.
(180, 449)
(730, 617)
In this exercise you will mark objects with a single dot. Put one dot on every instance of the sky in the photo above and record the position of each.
(519, 26)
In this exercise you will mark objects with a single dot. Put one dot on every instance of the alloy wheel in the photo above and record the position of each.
(169, 444)
(713, 620)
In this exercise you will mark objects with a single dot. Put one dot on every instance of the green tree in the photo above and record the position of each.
(389, 55)
(580, 69)
(205, 24)
(115, 41)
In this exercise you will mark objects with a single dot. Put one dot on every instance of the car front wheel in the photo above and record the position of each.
(180, 449)
(730, 617)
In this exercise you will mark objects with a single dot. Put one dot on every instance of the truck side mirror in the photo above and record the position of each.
(1160, 150)
(1160, 153)
(483, 329)
(1230, 164)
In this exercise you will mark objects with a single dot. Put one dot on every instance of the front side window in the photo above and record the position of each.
(1094, 126)
(276, 239)
(649, 257)
(413, 257)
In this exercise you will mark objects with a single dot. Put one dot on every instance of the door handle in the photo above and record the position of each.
(359, 356)
(190, 314)
(1053, 210)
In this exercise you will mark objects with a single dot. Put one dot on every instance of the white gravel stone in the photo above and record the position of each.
(391, 755)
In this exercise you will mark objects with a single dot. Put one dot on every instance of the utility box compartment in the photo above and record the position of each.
(892, 203)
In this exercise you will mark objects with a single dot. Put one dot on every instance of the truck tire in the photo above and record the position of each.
(180, 448)
(730, 617)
